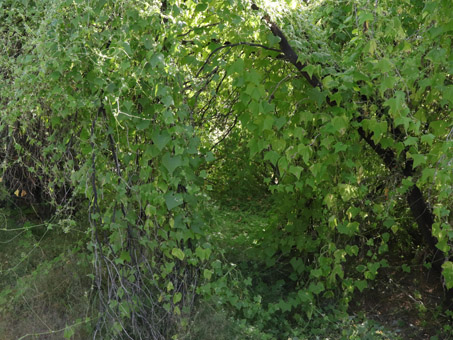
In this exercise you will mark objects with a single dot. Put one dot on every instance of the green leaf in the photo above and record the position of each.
(125, 256)
(418, 159)
(448, 93)
(272, 39)
(201, 7)
(379, 129)
(68, 332)
(384, 65)
(317, 273)
(147, 42)
(428, 175)
(347, 191)
(306, 116)
(295, 170)
(309, 69)
(447, 272)
(340, 124)
(210, 157)
(361, 284)
(173, 200)
(207, 274)
(142, 124)
(396, 104)
(365, 16)
(349, 228)
(387, 83)
(372, 45)
(272, 156)
(439, 127)
(340, 147)
(203, 253)
(411, 140)
(127, 48)
(158, 59)
(168, 101)
(305, 152)
(352, 250)
(305, 296)
(278, 145)
(280, 122)
(111, 88)
(177, 297)
(328, 82)
(178, 253)
(316, 288)
(171, 163)
(161, 139)
(405, 121)
(316, 95)
(268, 122)
(297, 264)
(284, 306)
(236, 67)
(428, 139)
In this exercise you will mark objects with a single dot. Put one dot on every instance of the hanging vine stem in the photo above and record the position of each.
(113, 150)
(94, 208)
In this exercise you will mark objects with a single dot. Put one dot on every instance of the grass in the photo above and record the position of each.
(44, 285)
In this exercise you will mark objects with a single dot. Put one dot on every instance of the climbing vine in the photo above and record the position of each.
(338, 111)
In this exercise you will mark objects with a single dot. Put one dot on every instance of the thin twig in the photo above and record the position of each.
(230, 46)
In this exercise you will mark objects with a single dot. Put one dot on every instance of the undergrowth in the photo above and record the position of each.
(45, 289)
(244, 285)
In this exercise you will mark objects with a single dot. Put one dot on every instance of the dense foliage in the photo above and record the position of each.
(334, 116)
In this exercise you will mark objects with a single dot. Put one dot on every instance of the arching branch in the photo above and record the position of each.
(419, 207)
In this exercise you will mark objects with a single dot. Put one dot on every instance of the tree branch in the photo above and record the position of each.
(417, 203)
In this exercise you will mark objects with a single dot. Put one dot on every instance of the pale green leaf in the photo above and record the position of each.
(207, 274)
(177, 297)
(178, 253)
(68, 332)
(447, 272)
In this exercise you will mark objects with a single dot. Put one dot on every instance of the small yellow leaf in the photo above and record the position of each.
(20, 193)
